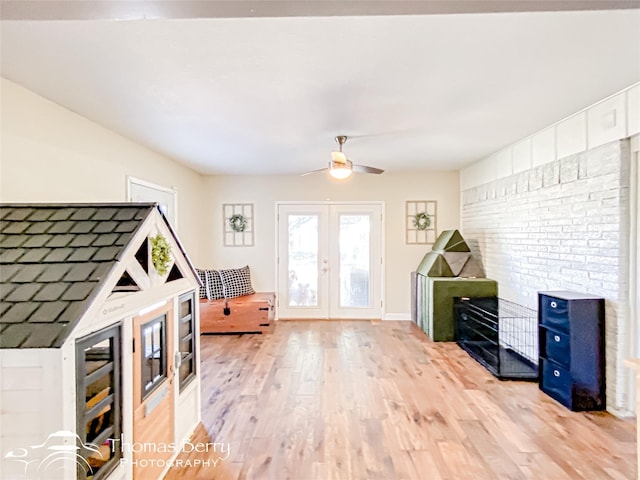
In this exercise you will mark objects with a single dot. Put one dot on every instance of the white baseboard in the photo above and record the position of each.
(397, 316)
(386, 316)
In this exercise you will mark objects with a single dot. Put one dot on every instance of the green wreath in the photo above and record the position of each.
(237, 223)
(421, 221)
(160, 254)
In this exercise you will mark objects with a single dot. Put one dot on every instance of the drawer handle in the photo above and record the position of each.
(556, 338)
(554, 305)
(556, 373)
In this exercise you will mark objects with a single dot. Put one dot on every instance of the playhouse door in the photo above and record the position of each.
(153, 375)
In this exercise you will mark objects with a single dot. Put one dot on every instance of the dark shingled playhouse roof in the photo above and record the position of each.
(52, 261)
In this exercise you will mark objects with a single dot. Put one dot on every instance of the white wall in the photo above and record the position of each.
(265, 191)
(612, 118)
(553, 212)
(562, 226)
(50, 154)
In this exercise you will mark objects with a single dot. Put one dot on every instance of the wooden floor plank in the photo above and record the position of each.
(362, 400)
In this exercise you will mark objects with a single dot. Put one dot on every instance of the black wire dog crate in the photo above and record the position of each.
(499, 334)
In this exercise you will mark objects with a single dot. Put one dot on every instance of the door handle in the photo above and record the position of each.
(170, 374)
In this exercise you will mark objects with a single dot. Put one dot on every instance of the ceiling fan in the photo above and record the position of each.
(340, 167)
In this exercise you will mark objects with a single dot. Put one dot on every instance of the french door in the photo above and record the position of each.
(329, 260)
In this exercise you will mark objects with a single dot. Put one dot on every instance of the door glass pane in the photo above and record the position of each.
(154, 354)
(355, 260)
(147, 367)
(303, 260)
(157, 351)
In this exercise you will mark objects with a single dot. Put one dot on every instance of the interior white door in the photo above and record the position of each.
(329, 261)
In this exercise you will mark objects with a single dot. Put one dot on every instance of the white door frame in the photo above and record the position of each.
(632, 347)
(143, 191)
(380, 204)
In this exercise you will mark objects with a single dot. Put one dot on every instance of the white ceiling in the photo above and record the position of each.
(268, 95)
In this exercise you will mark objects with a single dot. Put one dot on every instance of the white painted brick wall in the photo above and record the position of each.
(561, 225)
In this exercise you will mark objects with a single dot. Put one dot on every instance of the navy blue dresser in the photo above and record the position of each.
(571, 342)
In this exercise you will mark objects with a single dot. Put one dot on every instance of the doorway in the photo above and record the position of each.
(330, 260)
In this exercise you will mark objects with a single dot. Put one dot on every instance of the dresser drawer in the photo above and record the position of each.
(557, 347)
(554, 313)
(556, 382)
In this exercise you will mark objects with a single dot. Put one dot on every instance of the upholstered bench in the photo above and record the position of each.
(246, 314)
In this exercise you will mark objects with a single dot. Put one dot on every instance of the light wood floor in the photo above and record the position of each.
(378, 400)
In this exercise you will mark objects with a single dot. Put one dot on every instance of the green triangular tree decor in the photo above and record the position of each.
(450, 241)
(456, 261)
(434, 265)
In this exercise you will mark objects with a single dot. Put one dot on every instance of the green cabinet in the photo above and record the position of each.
(435, 302)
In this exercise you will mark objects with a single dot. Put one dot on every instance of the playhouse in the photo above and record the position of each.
(98, 342)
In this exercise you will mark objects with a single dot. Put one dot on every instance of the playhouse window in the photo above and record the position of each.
(98, 402)
(154, 354)
(187, 342)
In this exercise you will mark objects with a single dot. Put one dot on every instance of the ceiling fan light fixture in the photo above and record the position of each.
(338, 157)
(340, 167)
(340, 170)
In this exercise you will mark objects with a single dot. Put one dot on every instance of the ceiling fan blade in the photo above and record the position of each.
(314, 171)
(397, 131)
(365, 169)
